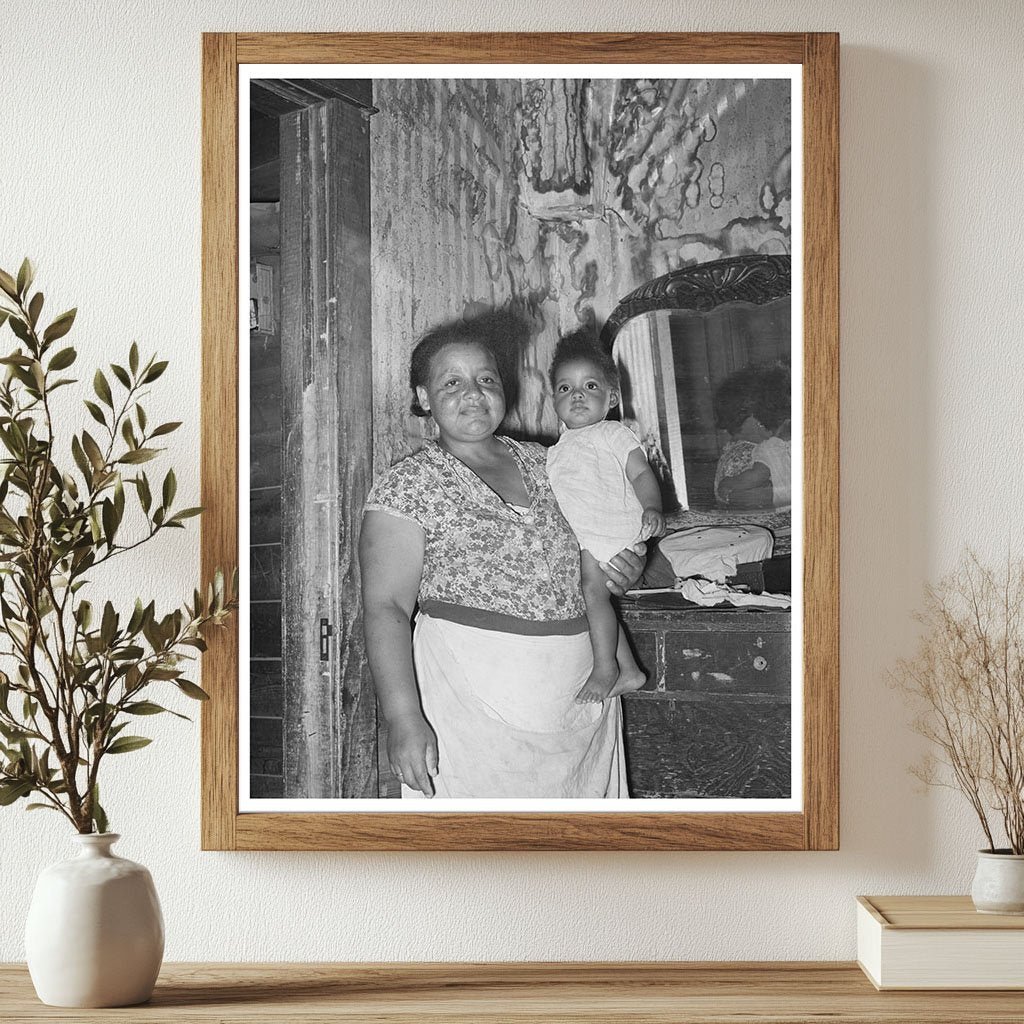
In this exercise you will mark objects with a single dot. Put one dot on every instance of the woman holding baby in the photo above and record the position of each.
(481, 697)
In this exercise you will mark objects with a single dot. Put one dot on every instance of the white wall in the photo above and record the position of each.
(100, 183)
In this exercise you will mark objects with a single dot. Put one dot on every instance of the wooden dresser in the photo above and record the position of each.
(734, 993)
(714, 717)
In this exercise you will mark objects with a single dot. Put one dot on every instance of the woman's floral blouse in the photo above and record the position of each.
(485, 562)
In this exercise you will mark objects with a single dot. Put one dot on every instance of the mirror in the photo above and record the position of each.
(716, 330)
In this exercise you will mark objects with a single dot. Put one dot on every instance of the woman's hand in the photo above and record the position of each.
(625, 568)
(412, 752)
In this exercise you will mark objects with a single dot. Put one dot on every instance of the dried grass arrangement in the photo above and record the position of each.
(967, 683)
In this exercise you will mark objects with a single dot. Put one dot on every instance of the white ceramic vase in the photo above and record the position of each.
(95, 933)
(999, 883)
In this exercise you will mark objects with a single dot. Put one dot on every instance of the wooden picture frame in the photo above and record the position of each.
(816, 825)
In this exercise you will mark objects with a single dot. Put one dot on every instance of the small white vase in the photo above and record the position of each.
(999, 883)
(95, 933)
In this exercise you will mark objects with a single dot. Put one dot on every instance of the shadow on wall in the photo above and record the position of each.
(888, 300)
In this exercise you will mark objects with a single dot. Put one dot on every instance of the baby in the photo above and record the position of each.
(608, 494)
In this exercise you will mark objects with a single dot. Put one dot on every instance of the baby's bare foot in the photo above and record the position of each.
(628, 681)
(599, 685)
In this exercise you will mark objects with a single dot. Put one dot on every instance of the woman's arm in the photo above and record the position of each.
(391, 563)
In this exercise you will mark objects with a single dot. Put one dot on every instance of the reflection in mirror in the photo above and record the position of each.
(704, 357)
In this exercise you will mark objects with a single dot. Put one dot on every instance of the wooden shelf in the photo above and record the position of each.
(794, 993)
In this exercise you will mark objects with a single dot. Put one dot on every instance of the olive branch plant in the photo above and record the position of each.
(966, 681)
(80, 674)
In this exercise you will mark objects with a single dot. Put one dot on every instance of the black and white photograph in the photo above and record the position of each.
(520, 454)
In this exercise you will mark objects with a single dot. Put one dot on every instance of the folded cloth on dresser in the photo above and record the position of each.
(709, 594)
(713, 552)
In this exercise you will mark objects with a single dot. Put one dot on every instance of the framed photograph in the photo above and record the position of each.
(520, 418)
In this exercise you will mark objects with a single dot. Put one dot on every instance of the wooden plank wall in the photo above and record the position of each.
(329, 709)
(266, 698)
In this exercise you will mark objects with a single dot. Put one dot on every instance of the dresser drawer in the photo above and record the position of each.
(727, 662)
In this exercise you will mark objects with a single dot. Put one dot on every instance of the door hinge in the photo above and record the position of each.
(326, 632)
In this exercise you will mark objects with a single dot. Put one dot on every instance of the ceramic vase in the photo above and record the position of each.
(95, 933)
(999, 883)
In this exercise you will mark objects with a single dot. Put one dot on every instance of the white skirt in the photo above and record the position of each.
(503, 708)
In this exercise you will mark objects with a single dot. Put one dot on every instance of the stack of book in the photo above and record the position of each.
(938, 942)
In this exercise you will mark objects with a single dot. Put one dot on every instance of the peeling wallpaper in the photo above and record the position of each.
(557, 197)
(103, 189)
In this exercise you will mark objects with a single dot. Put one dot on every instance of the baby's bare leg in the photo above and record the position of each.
(631, 675)
(604, 632)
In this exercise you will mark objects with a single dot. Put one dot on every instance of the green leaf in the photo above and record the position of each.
(95, 412)
(138, 615)
(121, 374)
(133, 358)
(26, 274)
(147, 707)
(170, 488)
(139, 455)
(17, 359)
(102, 388)
(41, 807)
(154, 372)
(128, 433)
(14, 790)
(191, 690)
(140, 415)
(92, 449)
(119, 498)
(80, 458)
(163, 673)
(60, 326)
(125, 744)
(129, 653)
(20, 328)
(12, 733)
(34, 308)
(99, 816)
(95, 711)
(110, 522)
(185, 513)
(108, 627)
(63, 359)
(8, 284)
(145, 498)
(165, 428)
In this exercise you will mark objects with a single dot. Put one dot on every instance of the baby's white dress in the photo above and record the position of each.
(587, 470)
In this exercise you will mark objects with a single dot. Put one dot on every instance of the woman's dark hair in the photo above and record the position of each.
(579, 345)
(761, 391)
(501, 332)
